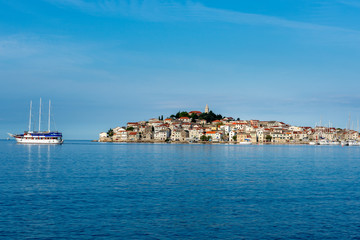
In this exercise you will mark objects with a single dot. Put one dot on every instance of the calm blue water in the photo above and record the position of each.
(83, 190)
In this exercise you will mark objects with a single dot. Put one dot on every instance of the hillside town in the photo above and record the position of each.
(207, 127)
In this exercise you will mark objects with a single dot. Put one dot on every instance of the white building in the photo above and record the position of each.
(103, 135)
(195, 134)
(162, 135)
(231, 136)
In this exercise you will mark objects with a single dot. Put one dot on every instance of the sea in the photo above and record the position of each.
(90, 190)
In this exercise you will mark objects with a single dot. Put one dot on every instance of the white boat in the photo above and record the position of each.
(39, 137)
(323, 142)
(353, 143)
(312, 143)
(334, 143)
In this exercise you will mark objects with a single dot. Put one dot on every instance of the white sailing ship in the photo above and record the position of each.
(39, 137)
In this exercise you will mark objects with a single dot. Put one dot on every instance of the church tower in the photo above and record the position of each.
(207, 109)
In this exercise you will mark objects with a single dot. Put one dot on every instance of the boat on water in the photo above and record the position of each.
(246, 142)
(323, 142)
(39, 137)
(353, 143)
(350, 143)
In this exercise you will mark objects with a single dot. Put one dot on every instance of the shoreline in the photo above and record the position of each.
(202, 143)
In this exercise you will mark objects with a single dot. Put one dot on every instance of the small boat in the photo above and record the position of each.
(312, 143)
(324, 142)
(39, 137)
(353, 143)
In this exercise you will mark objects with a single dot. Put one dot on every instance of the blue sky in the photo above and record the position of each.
(104, 63)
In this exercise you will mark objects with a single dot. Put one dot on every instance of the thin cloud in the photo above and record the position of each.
(13, 47)
(154, 10)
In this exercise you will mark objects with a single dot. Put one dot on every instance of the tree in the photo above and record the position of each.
(194, 116)
(129, 128)
(209, 117)
(234, 138)
(184, 114)
(110, 133)
(204, 138)
(268, 138)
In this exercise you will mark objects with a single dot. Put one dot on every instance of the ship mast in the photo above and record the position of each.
(40, 115)
(30, 116)
(49, 116)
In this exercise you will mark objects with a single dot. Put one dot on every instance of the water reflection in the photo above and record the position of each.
(39, 159)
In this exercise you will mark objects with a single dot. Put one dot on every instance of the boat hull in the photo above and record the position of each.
(39, 141)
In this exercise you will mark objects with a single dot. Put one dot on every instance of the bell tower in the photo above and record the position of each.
(207, 109)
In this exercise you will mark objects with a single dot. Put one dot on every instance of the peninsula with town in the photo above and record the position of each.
(208, 127)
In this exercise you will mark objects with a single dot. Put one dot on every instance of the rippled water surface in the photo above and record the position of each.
(83, 190)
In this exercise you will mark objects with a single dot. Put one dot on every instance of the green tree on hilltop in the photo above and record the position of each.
(110, 133)
(129, 128)
(193, 117)
(209, 117)
(184, 114)
(180, 114)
